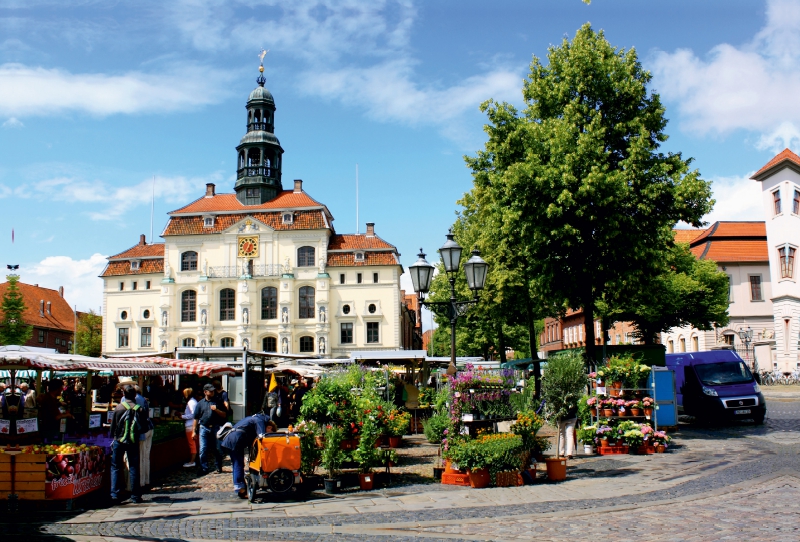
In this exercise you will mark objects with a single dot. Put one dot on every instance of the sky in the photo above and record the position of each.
(99, 98)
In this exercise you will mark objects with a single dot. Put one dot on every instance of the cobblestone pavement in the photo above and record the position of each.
(717, 483)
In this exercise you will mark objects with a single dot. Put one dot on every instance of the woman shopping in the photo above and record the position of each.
(188, 417)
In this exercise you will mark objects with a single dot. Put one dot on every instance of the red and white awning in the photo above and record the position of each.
(27, 361)
(189, 366)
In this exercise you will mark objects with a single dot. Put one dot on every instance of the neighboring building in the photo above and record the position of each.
(262, 268)
(50, 315)
(411, 323)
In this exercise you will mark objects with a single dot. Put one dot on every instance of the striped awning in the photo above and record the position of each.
(32, 361)
(132, 368)
(66, 362)
(189, 366)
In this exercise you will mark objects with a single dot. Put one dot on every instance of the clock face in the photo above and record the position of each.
(248, 247)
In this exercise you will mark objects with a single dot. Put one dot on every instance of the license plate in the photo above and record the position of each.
(745, 411)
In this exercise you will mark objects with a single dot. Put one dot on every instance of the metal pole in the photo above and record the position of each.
(453, 317)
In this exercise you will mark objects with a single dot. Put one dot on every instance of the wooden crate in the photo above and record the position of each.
(22, 486)
(508, 479)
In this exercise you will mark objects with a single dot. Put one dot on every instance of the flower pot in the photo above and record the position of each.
(608, 412)
(648, 411)
(616, 385)
(437, 473)
(613, 392)
(332, 485)
(556, 468)
(379, 441)
(603, 442)
(319, 441)
(588, 449)
(395, 442)
(594, 384)
(479, 478)
(366, 481)
(448, 468)
(636, 412)
(593, 411)
(661, 448)
(600, 382)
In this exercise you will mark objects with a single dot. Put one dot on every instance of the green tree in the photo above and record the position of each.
(575, 186)
(13, 329)
(89, 335)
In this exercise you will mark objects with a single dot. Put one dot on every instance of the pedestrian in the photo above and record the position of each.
(209, 415)
(126, 427)
(297, 398)
(146, 440)
(566, 431)
(29, 394)
(270, 404)
(188, 417)
(235, 442)
(50, 411)
(222, 394)
(283, 405)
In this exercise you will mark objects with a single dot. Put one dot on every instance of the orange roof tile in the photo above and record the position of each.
(730, 230)
(686, 236)
(120, 268)
(286, 199)
(783, 156)
(352, 241)
(154, 250)
(728, 251)
(61, 315)
(348, 259)
(193, 225)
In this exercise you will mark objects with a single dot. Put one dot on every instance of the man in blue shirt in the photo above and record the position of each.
(242, 436)
(209, 415)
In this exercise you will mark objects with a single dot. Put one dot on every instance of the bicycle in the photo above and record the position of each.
(767, 378)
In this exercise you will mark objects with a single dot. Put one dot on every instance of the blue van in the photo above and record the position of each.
(716, 386)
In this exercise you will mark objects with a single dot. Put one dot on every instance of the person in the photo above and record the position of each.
(188, 417)
(235, 443)
(126, 427)
(30, 396)
(283, 402)
(145, 439)
(270, 400)
(50, 414)
(77, 406)
(297, 398)
(209, 415)
(566, 430)
(223, 395)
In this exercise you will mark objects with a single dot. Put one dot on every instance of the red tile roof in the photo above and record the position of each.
(348, 259)
(784, 156)
(352, 241)
(729, 251)
(61, 315)
(286, 199)
(120, 268)
(193, 225)
(155, 250)
(729, 230)
(686, 236)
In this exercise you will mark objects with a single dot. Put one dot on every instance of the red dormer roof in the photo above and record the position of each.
(153, 250)
(357, 241)
(785, 157)
(226, 203)
(732, 242)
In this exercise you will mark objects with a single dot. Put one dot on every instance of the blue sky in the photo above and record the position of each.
(98, 97)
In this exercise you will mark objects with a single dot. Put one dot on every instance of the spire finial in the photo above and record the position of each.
(261, 80)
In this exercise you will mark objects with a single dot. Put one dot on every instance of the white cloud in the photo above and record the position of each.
(80, 278)
(13, 122)
(28, 91)
(755, 87)
(738, 198)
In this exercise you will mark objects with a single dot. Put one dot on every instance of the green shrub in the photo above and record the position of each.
(435, 426)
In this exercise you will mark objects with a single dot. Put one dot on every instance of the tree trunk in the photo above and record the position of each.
(537, 364)
(501, 339)
(588, 324)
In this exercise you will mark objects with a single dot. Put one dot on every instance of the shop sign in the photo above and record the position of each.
(5, 427)
(62, 426)
(109, 416)
(95, 420)
(72, 475)
(30, 425)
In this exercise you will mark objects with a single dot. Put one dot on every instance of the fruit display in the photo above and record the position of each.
(85, 461)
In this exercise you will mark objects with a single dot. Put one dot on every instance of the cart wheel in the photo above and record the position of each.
(280, 480)
(251, 488)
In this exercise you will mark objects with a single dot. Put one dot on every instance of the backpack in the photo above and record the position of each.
(131, 425)
(272, 399)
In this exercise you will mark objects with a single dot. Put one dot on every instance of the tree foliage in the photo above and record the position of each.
(89, 335)
(13, 329)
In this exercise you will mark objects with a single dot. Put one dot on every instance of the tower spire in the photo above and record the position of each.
(261, 80)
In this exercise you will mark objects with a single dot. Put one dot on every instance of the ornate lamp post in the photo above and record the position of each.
(746, 336)
(475, 269)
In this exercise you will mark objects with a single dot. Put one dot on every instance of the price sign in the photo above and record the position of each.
(156, 412)
(166, 411)
(95, 420)
(30, 425)
(152, 411)
(62, 426)
(5, 427)
(109, 416)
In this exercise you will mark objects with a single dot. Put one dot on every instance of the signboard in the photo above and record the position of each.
(156, 412)
(72, 475)
(109, 416)
(27, 426)
(95, 420)
(62, 426)
(5, 427)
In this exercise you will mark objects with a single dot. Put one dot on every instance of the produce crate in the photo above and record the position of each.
(455, 478)
(508, 479)
(613, 450)
(26, 471)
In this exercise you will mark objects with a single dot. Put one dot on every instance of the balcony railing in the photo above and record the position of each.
(258, 171)
(236, 271)
(264, 126)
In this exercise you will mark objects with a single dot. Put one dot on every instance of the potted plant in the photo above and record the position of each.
(332, 458)
(592, 402)
(608, 407)
(660, 441)
(473, 459)
(647, 406)
(587, 435)
(636, 408)
(366, 455)
(562, 387)
(397, 426)
(310, 451)
(602, 435)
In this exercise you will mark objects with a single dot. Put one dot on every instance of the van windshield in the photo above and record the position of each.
(726, 372)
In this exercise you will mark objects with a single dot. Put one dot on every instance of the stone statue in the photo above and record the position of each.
(284, 345)
(246, 343)
(245, 316)
(287, 268)
(166, 268)
(203, 317)
(322, 345)
(322, 314)
(164, 318)
(163, 346)
(285, 315)
(203, 343)
(205, 268)
(321, 266)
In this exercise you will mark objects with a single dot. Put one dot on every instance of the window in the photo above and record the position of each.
(287, 218)
(695, 344)
(208, 222)
(755, 288)
(345, 309)
(269, 305)
(306, 344)
(226, 342)
(670, 346)
(683, 344)
(305, 257)
(188, 342)
(121, 286)
(135, 265)
(346, 333)
(188, 306)
(358, 278)
(133, 285)
(359, 256)
(776, 201)
(189, 261)
(787, 262)
(123, 315)
(341, 278)
(375, 278)
(147, 337)
(146, 314)
(41, 335)
(796, 203)
(252, 193)
(306, 302)
(372, 332)
(147, 285)
(227, 304)
(123, 337)
(372, 308)
(269, 344)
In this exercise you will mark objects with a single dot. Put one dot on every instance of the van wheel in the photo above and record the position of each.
(759, 420)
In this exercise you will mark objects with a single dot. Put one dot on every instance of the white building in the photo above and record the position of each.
(262, 268)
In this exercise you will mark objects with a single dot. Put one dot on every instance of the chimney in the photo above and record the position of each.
(142, 240)
(61, 291)
(41, 307)
(298, 186)
(49, 308)
(210, 193)
(370, 229)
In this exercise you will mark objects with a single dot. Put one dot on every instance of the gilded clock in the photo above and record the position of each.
(248, 247)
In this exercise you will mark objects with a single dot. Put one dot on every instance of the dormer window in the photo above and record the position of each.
(287, 218)
(359, 256)
(134, 265)
(208, 222)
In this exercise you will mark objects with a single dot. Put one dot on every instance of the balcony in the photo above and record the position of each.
(263, 126)
(258, 171)
(236, 271)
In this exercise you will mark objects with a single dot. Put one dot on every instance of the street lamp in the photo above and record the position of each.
(475, 269)
(746, 336)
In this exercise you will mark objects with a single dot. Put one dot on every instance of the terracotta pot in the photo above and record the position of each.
(636, 411)
(603, 442)
(601, 382)
(616, 385)
(608, 412)
(593, 411)
(648, 411)
(379, 441)
(366, 481)
(594, 384)
(613, 392)
(660, 449)
(479, 478)
(395, 442)
(448, 468)
(556, 468)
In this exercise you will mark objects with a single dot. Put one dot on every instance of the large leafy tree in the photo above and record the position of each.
(89, 335)
(13, 329)
(580, 197)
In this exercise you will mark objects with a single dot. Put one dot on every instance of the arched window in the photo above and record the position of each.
(226, 342)
(306, 302)
(306, 344)
(269, 304)
(227, 304)
(188, 342)
(189, 261)
(269, 344)
(305, 257)
(188, 306)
